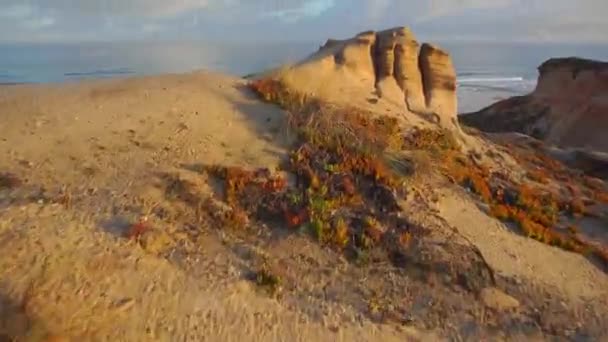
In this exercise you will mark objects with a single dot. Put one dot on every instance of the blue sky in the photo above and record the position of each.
(302, 20)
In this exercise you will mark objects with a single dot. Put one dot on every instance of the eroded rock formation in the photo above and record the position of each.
(387, 67)
(439, 80)
(568, 108)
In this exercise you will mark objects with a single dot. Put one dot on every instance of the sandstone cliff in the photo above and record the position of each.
(568, 108)
(387, 71)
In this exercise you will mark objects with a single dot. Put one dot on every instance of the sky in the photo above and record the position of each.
(565, 21)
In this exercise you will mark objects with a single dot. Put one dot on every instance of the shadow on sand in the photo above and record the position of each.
(17, 324)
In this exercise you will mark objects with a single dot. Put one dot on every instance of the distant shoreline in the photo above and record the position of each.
(15, 83)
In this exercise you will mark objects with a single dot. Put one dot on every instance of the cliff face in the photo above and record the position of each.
(569, 106)
(388, 70)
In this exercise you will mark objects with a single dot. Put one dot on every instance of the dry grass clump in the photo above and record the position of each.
(269, 281)
(274, 91)
(430, 139)
(538, 176)
(462, 171)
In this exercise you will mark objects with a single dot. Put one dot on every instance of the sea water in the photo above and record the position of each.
(487, 72)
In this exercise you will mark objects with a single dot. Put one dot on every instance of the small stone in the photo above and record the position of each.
(125, 304)
(496, 299)
(27, 163)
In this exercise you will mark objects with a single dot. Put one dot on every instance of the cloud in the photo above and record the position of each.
(25, 17)
(377, 9)
(38, 23)
(528, 20)
(312, 8)
(547, 20)
(139, 8)
(289, 9)
(440, 8)
(16, 11)
(420, 11)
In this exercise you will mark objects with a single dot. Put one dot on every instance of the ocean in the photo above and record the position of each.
(487, 72)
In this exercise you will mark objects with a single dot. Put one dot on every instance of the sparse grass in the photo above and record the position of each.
(436, 140)
(269, 281)
(538, 176)
(276, 92)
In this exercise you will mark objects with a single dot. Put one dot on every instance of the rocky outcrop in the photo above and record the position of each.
(568, 108)
(439, 80)
(521, 114)
(388, 69)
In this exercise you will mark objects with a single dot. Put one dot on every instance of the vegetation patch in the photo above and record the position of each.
(346, 193)
(541, 205)
(347, 190)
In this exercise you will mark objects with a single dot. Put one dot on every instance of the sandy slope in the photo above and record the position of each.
(105, 142)
(517, 256)
(108, 145)
(87, 285)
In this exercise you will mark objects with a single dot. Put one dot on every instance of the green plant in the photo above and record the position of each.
(268, 280)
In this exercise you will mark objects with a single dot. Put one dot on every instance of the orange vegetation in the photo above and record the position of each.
(535, 209)
(345, 193)
(339, 170)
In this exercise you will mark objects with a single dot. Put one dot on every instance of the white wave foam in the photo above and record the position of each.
(489, 79)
